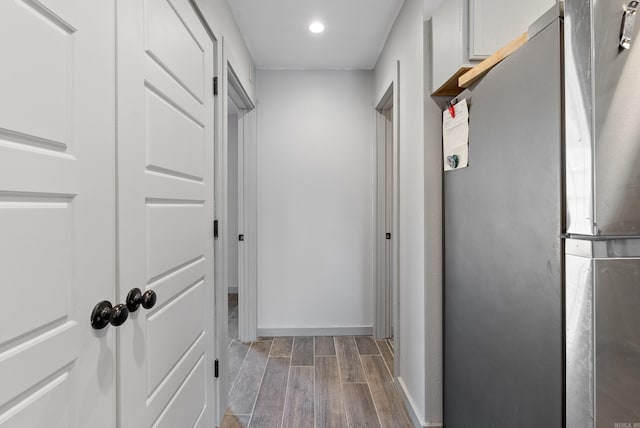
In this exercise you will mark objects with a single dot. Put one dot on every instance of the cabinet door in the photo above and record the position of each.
(448, 40)
(494, 23)
(57, 212)
(165, 212)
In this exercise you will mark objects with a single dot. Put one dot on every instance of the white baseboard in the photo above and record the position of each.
(408, 402)
(411, 407)
(316, 331)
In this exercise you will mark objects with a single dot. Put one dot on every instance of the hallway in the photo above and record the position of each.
(301, 382)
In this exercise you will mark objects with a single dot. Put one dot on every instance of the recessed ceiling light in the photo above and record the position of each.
(316, 27)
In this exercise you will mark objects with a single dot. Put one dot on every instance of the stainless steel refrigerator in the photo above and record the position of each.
(542, 233)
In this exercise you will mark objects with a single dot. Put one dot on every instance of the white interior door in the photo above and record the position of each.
(241, 225)
(384, 305)
(388, 216)
(247, 225)
(57, 212)
(165, 213)
(244, 181)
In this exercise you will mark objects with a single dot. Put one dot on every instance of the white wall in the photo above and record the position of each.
(420, 244)
(315, 199)
(232, 199)
(429, 7)
(221, 21)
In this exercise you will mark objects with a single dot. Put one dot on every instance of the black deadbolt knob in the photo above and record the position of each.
(119, 315)
(135, 298)
(149, 299)
(104, 314)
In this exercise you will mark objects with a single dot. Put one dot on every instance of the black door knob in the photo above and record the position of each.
(135, 298)
(104, 314)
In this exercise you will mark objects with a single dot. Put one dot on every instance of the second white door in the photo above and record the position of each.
(165, 212)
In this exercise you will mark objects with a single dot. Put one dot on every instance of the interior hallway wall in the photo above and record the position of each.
(420, 218)
(315, 199)
(232, 200)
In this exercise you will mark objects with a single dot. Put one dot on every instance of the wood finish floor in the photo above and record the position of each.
(313, 382)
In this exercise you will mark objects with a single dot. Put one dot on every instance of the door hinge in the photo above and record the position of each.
(388, 235)
(216, 369)
(215, 229)
(240, 237)
(215, 85)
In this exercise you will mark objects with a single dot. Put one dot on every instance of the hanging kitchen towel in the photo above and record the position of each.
(455, 136)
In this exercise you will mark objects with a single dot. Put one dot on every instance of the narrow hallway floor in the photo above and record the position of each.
(341, 381)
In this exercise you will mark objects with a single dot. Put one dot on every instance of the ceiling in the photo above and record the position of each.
(277, 35)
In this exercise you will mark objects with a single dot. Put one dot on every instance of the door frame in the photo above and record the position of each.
(387, 292)
(247, 307)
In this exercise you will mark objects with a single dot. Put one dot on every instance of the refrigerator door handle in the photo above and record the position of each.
(628, 21)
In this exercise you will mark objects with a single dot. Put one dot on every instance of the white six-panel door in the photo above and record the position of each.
(57, 212)
(165, 212)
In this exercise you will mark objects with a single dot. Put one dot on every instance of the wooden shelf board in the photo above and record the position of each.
(468, 78)
(450, 88)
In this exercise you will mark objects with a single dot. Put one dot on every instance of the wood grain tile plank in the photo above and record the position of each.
(299, 405)
(328, 394)
(349, 360)
(302, 354)
(391, 409)
(281, 347)
(237, 353)
(361, 412)
(271, 398)
(366, 345)
(386, 353)
(244, 392)
(325, 345)
(376, 369)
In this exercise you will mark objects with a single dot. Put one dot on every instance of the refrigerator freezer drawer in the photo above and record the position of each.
(603, 342)
(579, 341)
(617, 321)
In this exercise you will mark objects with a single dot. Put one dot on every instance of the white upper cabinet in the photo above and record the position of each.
(464, 32)
(450, 49)
(494, 23)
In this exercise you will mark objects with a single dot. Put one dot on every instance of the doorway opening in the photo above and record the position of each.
(386, 224)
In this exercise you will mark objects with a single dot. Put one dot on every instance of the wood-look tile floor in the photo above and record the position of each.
(314, 382)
